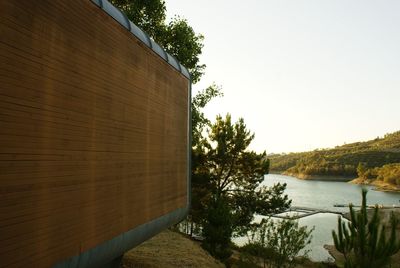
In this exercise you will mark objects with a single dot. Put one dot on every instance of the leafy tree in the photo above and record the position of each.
(150, 15)
(181, 41)
(233, 175)
(361, 169)
(177, 36)
(362, 240)
(278, 242)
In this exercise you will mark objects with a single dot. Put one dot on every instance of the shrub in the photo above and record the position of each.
(278, 242)
(362, 240)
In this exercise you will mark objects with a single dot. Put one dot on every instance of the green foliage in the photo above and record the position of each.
(149, 15)
(366, 173)
(389, 173)
(254, 253)
(363, 241)
(361, 169)
(177, 36)
(199, 121)
(277, 243)
(235, 174)
(200, 178)
(218, 230)
(181, 41)
(342, 160)
(226, 171)
(282, 162)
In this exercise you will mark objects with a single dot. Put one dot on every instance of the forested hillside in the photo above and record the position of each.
(341, 160)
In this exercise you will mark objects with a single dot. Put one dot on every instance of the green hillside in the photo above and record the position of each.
(341, 160)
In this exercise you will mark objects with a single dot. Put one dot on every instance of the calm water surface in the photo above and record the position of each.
(324, 194)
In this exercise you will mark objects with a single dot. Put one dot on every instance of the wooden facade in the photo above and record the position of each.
(93, 131)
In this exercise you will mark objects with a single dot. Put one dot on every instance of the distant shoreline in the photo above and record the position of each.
(379, 185)
(318, 177)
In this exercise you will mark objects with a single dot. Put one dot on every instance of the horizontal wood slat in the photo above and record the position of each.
(93, 131)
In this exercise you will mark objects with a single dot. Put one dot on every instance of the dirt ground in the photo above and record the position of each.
(169, 249)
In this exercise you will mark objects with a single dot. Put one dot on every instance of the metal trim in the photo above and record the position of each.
(158, 49)
(185, 72)
(140, 34)
(179, 65)
(128, 22)
(173, 62)
(98, 3)
(115, 13)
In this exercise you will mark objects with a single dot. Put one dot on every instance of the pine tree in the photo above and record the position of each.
(363, 241)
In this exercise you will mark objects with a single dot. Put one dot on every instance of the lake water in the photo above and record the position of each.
(323, 195)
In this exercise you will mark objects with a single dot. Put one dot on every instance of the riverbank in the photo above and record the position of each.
(302, 176)
(378, 184)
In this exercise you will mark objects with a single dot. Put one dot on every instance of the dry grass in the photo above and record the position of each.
(169, 249)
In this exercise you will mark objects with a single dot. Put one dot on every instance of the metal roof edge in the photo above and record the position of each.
(122, 19)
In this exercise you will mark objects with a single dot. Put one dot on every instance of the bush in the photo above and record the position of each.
(278, 242)
(362, 240)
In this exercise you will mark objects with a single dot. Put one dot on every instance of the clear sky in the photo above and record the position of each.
(304, 74)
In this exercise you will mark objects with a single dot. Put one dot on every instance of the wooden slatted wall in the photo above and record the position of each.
(93, 131)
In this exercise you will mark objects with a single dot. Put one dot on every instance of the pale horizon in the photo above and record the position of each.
(303, 74)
